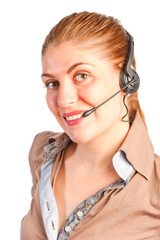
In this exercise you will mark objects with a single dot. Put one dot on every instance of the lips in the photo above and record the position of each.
(72, 113)
(73, 118)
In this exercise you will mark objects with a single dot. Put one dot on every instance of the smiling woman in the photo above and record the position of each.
(89, 182)
(71, 93)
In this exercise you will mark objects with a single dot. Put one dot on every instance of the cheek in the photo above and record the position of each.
(96, 93)
(51, 102)
(93, 95)
(111, 111)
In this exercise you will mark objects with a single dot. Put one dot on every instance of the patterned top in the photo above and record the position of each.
(49, 209)
(81, 211)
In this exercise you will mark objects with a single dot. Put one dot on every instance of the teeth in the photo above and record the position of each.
(73, 117)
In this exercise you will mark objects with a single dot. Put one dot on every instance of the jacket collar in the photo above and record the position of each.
(137, 147)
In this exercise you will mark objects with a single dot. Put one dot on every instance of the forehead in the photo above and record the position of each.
(67, 53)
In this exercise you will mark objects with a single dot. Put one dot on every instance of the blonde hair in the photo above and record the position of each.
(97, 30)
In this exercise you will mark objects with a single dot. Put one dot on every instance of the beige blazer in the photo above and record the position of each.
(131, 213)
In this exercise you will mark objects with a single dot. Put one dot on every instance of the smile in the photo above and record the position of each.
(73, 117)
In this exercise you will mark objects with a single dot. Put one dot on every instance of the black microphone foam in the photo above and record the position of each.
(87, 113)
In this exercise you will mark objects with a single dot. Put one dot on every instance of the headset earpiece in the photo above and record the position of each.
(128, 74)
(125, 80)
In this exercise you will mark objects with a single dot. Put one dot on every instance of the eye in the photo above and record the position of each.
(51, 85)
(81, 76)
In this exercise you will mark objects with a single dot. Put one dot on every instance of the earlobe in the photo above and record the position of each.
(123, 93)
(121, 65)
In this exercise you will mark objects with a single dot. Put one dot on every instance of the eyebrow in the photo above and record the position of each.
(68, 71)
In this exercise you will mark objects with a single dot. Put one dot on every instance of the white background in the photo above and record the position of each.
(24, 113)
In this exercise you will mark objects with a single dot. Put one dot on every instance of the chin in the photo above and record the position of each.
(78, 139)
(78, 136)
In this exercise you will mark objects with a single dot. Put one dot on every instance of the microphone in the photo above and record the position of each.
(87, 113)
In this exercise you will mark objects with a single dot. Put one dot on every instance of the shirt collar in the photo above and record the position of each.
(122, 166)
(136, 151)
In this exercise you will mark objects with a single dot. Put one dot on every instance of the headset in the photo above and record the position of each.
(129, 79)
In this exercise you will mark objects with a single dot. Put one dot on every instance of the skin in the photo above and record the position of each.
(98, 137)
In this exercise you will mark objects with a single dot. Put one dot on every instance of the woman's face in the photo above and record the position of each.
(78, 80)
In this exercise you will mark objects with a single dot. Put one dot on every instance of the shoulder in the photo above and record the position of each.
(157, 158)
(41, 139)
(44, 138)
(157, 164)
(155, 172)
(37, 149)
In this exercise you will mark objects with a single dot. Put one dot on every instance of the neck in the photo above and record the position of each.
(98, 153)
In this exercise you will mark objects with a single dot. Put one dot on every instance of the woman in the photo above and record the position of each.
(100, 178)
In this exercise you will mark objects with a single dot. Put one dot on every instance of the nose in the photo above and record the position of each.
(67, 94)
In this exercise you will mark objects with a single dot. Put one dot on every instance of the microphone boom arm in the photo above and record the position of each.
(87, 113)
